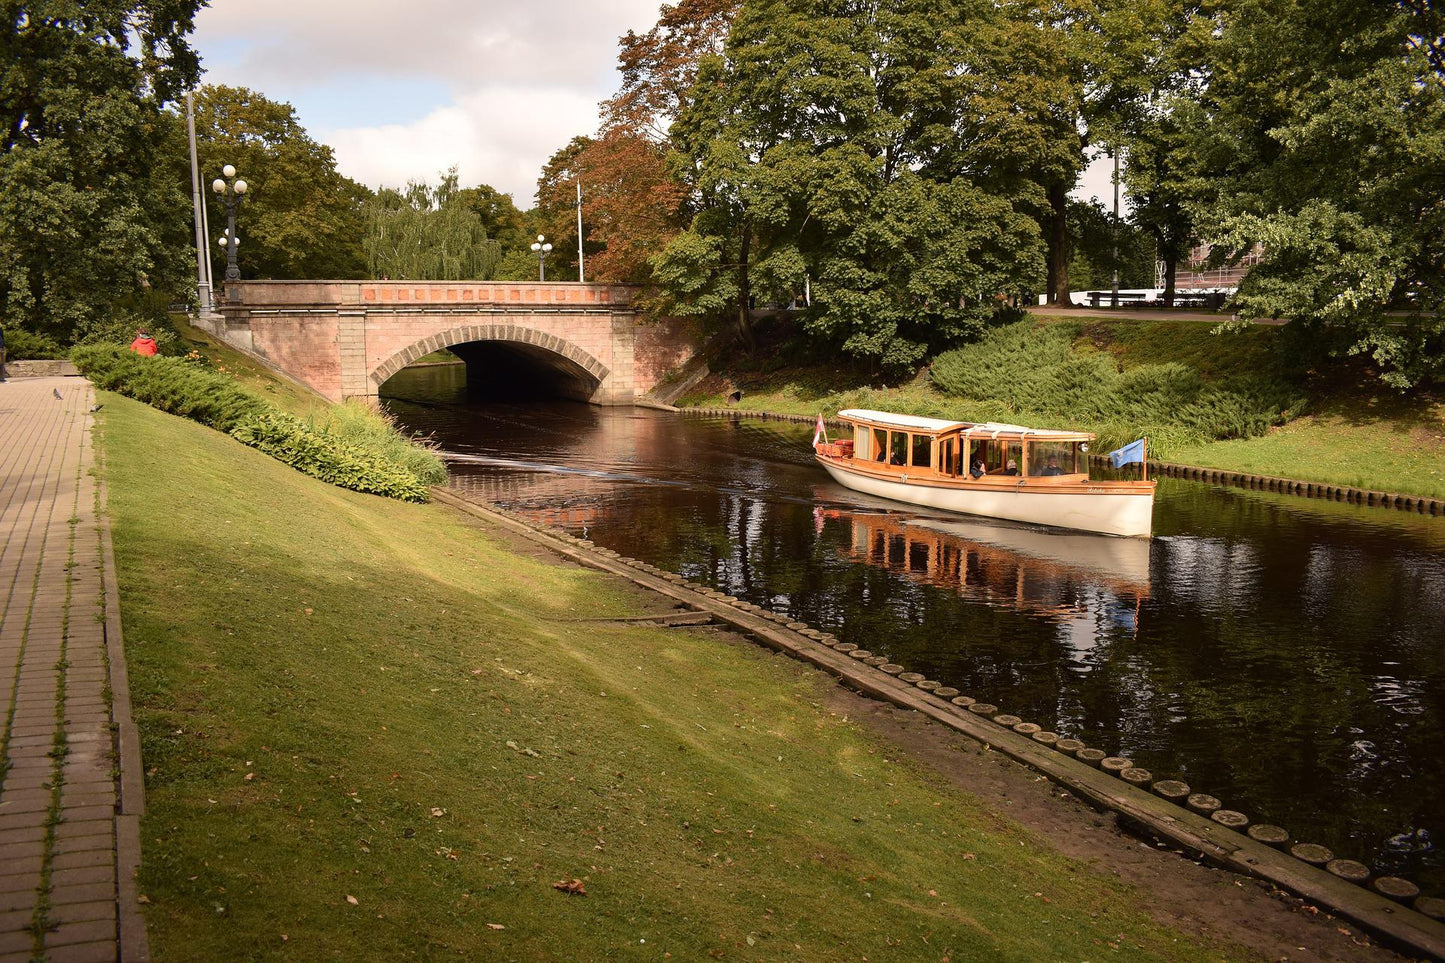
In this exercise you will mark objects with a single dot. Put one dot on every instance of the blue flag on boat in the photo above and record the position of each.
(1130, 454)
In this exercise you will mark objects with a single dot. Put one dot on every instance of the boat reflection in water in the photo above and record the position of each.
(1083, 583)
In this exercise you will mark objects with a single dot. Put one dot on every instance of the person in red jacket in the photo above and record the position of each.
(143, 344)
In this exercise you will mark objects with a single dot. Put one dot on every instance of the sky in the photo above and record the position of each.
(404, 91)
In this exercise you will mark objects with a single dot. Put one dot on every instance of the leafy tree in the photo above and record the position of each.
(1159, 182)
(1321, 136)
(659, 67)
(86, 216)
(850, 146)
(556, 212)
(503, 222)
(428, 234)
(1076, 73)
(1103, 244)
(631, 199)
(301, 217)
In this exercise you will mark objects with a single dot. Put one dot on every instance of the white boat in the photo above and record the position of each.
(995, 470)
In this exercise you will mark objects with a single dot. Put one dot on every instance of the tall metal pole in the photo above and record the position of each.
(581, 274)
(1115, 299)
(203, 272)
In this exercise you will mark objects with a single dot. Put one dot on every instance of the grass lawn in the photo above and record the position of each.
(1402, 452)
(371, 731)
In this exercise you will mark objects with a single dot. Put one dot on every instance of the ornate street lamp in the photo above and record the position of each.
(232, 190)
(541, 248)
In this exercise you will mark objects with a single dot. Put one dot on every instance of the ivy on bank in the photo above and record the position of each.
(179, 386)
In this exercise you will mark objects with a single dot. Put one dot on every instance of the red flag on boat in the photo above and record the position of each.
(820, 432)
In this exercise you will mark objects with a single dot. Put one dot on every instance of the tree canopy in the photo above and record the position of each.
(87, 216)
(1320, 135)
(847, 148)
(426, 233)
(301, 218)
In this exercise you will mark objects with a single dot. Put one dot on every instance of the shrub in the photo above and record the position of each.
(355, 448)
(289, 440)
(1039, 374)
(21, 345)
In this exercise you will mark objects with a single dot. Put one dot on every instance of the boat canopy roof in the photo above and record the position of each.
(939, 426)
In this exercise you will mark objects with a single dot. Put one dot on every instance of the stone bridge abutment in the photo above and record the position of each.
(344, 339)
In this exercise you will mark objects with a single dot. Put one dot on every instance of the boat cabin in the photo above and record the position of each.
(963, 450)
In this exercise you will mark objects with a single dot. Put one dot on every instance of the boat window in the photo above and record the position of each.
(947, 456)
(860, 442)
(922, 451)
(898, 454)
(1051, 458)
(879, 451)
(1013, 452)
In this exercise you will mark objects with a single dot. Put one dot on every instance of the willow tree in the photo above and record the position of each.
(426, 233)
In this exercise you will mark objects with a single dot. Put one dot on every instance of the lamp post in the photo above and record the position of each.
(541, 248)
(232, 190)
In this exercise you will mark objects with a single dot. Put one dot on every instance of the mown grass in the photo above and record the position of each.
(1238, 408)
(372, 732)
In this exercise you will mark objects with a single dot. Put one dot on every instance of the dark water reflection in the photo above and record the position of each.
(1284, 654)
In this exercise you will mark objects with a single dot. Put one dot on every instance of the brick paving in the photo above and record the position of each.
(69, 770)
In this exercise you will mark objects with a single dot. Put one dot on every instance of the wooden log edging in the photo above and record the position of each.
(1292, 486)
(1212, 833)
(1369, 497)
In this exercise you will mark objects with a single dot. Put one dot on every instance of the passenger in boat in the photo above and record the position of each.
(978, 469)
(1053, 467)
(1012, 468)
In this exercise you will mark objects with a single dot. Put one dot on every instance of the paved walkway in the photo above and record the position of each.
(69, 843)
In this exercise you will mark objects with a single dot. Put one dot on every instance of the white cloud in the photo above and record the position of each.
(497, 136)
(513, 81)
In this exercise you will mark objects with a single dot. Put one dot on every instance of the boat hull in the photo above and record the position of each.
(1091, 508)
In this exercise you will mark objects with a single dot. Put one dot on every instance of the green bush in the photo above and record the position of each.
(1039, 374)
(361, 426)
(353, 448)
(289, 440)
(21, 345)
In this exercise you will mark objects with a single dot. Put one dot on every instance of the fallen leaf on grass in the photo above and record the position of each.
(572, 887)
(437, 812)
(495, 926)
(352, 900)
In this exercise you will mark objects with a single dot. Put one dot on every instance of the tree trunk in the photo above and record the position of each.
(1171, 268)
(745, 318)
(1058, 244)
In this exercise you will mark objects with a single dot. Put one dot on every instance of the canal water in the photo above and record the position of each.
(1284, 654)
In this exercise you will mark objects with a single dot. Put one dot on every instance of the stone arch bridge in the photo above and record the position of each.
(344, 339)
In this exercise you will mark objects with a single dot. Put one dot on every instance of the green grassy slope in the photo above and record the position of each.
(370, 731)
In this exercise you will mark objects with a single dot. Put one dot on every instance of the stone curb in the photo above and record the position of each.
(134, 945)
(1125, 792)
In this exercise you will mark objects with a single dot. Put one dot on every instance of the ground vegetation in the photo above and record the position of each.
(351, 446)
(503, 771)
(1248, 401)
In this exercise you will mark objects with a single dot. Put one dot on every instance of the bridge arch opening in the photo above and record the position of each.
(504, 362)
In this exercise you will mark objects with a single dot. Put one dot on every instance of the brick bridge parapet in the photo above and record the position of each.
(345, 338)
